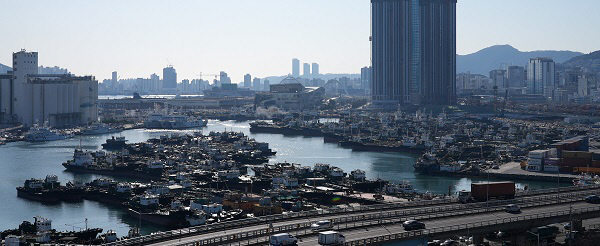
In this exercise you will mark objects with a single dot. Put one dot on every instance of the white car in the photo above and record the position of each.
(512, 208)
(321, 225)
(283, 239)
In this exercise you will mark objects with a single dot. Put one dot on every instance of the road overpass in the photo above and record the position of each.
(376, 219)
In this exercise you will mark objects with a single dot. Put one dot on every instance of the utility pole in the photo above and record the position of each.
(538, 237)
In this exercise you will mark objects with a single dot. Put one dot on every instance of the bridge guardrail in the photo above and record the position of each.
(302, 229)
(191, 231)
(410, 234)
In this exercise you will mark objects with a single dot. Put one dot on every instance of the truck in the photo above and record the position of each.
(331, 238)
(481, 192)
(282, 239)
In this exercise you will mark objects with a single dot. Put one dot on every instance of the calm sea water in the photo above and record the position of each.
(20, 161)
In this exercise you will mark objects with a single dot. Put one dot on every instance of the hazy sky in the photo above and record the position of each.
(138, 38)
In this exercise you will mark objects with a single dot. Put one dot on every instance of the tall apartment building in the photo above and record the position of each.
(541, 77)
(306, 71)
(247, 81)
(413, 51)
(498, 77)
(315, 70)
(169, 78)
(365, 78)
(295, 68)
(515, 76)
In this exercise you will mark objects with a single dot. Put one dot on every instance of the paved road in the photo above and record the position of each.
(354, 234)
(515, 168)
(301, 220)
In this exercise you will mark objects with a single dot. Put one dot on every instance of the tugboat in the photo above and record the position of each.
(427, 163)
(113, 143)
(47, 190)
(41, 231)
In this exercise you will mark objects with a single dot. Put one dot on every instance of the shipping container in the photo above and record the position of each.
(552, 153)
(595, 170)
(576, 154)
(493, 190)
(596, 156)
(535, 161)
(595, 163)
(576, 162)
(551, 161)
(564, 169)
(551, 168)
(538, 154)
(534, 168)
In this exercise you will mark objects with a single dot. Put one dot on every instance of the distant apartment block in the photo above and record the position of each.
(295, 68)
(541, 77)
(306, 72)
(169, 78)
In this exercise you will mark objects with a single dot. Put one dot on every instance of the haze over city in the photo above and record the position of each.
(297, 123)
(260, 37)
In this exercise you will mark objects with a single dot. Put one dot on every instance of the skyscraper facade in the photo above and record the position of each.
(315, 70)
(295, 68)
(413, 51)
(224, 78)
(515, 76)
(256, 84)
(247, 81)
(306, 71)
(169, 78)
(266, 85)
(540, 77)
(498, 77)
(365, 78)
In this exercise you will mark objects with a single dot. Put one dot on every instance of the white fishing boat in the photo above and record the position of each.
(45, 133)
(165, 119)
(98, 128)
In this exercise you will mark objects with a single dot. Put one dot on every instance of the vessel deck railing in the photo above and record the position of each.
(354, 221)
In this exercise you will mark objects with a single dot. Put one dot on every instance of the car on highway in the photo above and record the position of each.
(512, 208)
(450, 242)
(321, 225)
(592, 199)
(413, 225)
(283, 239)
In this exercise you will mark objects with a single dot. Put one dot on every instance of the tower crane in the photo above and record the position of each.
(200, 75)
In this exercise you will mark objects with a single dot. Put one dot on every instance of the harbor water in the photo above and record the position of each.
(21, 160)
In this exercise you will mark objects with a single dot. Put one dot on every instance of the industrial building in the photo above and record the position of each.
(61, 99)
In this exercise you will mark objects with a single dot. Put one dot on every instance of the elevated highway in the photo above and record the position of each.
(376, 219)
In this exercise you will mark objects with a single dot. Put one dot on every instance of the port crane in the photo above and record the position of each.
(200, 75)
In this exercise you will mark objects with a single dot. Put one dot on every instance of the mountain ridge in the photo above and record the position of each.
(494, 57)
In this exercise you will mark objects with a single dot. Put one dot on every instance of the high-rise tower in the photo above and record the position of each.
(295, 68)
(413, 51)
(169, 78)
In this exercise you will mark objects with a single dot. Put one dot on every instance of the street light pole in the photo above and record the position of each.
(487, 200)
(538, 237)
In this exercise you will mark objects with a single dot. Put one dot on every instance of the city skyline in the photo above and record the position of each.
(158, 34)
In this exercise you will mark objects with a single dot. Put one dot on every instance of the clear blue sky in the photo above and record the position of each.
(138, 38)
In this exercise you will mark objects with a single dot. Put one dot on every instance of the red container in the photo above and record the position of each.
(493, 190)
